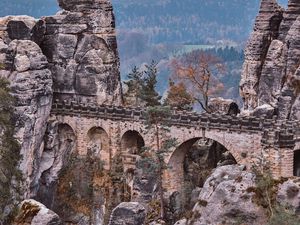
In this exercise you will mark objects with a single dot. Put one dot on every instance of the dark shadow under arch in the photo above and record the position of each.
(297, 163)
(188, 168)
(132, 142)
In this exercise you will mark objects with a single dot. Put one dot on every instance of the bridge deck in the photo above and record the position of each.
(283, 130)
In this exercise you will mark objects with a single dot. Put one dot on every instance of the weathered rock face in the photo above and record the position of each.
(31, 83)
(74, 52)
(224, 199)
(21, 28)
(271, 70)
(80, 44)
(265, 30)
(128, 213)
(289, 194)
(145, 181)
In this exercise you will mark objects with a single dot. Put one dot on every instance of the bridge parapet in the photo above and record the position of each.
(285, 131)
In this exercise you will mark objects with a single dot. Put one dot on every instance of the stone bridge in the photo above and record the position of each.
(107, 130)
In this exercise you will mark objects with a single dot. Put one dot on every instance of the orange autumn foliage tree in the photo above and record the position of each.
(178, 97)
(198, 71)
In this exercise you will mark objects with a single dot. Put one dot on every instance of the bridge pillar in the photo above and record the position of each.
(287, 166)
(278, 149)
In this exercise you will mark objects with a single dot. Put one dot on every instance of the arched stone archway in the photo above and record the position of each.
(297, 163)
(66, 139)
(98, 145)
(132, 142)
(184, 166)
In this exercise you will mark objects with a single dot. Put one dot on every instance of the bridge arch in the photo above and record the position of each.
(132, 142)
(66, 139)
(297, 163)
(98, 145)
(175, 172)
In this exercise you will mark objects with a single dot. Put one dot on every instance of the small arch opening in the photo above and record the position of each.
(297, 163)
(132, 143)
(98, 145)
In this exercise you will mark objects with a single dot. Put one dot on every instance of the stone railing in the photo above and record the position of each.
(284, 132)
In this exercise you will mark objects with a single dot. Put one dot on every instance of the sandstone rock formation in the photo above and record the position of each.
(80, 44)
(223, 106)
(224, 199)
(265, 30)
(128, 213)
(25, 66)
(20, 28)
(289, 194)
(270, 73)
(31, 212)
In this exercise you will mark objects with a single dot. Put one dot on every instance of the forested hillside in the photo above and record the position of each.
(193, 21)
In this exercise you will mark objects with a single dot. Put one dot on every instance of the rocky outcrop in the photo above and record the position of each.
(223, 106)
(25, 66)
(128, 213)
(34, 213)
(145, 181)
(80, 44)
(225, 199)
(289, 194)
(265, 30)
(21, 28)
(270, 77)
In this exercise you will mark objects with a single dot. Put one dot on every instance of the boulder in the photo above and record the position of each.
(225, 199)
(181, 222)
(289, 195)
(128, 213)
(223, 106)
(34, 213)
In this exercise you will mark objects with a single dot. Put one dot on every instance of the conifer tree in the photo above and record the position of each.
(148, 93)
(132, 96)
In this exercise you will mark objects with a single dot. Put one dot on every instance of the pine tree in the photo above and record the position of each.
(148, 93)
(132, 96)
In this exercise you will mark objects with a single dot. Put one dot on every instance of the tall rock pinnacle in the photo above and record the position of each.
(271, 72)
(265, 30)
(80, 44)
